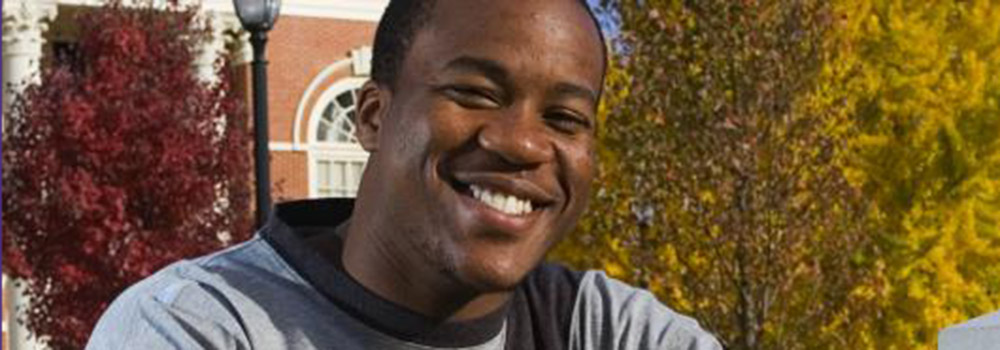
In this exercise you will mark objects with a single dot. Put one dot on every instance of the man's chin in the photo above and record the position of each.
(494, 276)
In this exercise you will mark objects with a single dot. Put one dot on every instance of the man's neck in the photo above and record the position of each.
(401, 274)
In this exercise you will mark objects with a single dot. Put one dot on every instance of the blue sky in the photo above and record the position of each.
(607, 22)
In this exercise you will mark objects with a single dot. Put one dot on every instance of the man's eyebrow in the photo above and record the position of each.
(564, 88)
(491, 69)
(496, 72)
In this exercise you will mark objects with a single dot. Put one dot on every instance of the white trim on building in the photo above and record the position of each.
(311, 89)
(327, 98)
(360, 64)
(357, 10)
(276, 146)
(335, 166)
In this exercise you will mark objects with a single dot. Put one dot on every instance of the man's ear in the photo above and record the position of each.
(373, 105)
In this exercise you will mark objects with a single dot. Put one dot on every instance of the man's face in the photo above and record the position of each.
(486, 150)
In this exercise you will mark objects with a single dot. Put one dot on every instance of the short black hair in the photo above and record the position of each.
(398, 27)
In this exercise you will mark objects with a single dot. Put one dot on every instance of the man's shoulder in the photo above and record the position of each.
(219, 274)
(595, 311)
(160, 309)
(609, 313)
(208, 270)
(209, 293)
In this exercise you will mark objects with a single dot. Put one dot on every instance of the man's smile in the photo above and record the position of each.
(502, 201)
(508, 204)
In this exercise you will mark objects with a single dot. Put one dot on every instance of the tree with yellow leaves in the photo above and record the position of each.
(720, 186)
(921, 80)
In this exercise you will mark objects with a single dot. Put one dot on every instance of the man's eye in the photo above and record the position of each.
(472, 97)
(567, 122)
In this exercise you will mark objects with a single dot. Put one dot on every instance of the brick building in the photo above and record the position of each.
(319, 54)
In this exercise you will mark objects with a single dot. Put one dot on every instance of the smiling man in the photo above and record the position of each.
(480, 121)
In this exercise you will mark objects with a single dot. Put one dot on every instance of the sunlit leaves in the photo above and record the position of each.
(859, 138)
(923, 83)
(722, 189)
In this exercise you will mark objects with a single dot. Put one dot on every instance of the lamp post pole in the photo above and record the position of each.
(258, 17)
(262, 163)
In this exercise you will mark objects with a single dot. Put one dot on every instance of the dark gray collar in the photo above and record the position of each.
(288, 229)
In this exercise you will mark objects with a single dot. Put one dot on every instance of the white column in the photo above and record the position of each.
(209, 50)
(6, 299)
(18, 335)
(361, 60)
(238, 41)
(24, 22)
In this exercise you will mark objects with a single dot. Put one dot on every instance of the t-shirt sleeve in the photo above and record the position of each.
(609, 314)
(178, 315)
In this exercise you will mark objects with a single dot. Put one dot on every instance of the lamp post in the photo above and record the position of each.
(258, 17)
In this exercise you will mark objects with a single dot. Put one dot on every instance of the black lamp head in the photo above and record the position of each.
(257, 15)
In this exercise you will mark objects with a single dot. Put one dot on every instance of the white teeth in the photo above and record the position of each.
(507, 204)
(511, 203)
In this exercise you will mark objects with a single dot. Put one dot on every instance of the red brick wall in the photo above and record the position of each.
(299, 49)
(289, 175)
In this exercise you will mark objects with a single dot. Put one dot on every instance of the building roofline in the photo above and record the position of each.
(358, 10)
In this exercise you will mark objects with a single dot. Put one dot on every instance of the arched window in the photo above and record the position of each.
(336, 124)
(336, 160)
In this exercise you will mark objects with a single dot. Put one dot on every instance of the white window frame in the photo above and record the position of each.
(332, 151)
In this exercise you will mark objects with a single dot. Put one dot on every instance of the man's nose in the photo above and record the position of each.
(519, 137)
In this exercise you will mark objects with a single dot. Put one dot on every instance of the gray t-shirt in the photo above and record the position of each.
(276, 292)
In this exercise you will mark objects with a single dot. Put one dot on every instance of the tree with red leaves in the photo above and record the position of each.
(120, 162)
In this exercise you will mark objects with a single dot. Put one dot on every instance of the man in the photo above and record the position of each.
(480, 121)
